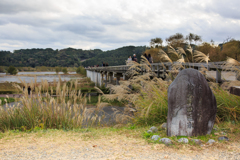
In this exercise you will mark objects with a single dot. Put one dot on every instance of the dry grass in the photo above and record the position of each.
(232, 65)
(200, 57)
(66, 111)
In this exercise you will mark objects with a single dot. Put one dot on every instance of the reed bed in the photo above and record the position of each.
(39, 110)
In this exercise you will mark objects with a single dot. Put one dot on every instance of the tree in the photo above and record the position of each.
(193, 37)
(81, 70)
(197, 38)
(156, 42)
(12, 70)
(175, 40)
(65, 71)
(190, 37)
(57, 69)
(1, 70)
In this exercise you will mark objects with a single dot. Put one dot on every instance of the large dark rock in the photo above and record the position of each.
(192, 106)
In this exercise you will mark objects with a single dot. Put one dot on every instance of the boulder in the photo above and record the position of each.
(166, 141)
(183, 140)
(155, 137)
(153, 129)
(223, 138)
(164, 126)
(196, 141)
(192, 106)
(211, 141)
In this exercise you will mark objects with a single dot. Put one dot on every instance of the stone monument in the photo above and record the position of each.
(192, 106)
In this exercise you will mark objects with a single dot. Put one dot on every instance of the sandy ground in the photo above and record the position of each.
(84, 146)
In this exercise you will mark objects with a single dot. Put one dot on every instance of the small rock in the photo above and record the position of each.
(166, 141)
(196, 141)
(154, 129)
(155, 137)
(211, 141)
(164, 126)
(183, 140)
(149, 131)
(223, 138)
(216, 134)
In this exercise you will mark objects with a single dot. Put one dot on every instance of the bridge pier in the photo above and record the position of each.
(218, 76)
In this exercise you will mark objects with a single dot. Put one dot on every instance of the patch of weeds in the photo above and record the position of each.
(147, 135)
(132, 126)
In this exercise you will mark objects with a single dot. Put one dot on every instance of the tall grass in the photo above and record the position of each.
(42, 110)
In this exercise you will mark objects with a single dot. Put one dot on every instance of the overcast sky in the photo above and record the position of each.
(110, 24)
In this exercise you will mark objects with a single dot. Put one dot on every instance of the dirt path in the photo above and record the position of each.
(64, 145)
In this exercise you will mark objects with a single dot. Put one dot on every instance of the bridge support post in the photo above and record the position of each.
(158, 71)
(117, 80)
(110, 77)
(96, 83)
(105, 79)
(218, 76)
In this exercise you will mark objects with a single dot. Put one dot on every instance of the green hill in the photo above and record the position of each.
(68, 57)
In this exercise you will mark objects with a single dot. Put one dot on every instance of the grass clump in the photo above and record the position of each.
(4, 100)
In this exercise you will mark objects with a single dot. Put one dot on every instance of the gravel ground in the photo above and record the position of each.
(110, 147)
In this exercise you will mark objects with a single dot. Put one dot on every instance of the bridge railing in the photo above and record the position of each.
(166, 65)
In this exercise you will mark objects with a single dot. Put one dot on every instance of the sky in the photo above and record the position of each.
(111, 24)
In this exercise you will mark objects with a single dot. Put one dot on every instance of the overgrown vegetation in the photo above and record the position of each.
(81, 70)
(12, 70)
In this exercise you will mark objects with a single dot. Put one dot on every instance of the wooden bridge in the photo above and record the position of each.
(107, 74)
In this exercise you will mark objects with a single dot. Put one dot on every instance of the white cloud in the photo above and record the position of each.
(111, 24)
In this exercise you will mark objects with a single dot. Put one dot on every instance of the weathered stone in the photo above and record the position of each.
(149, 131)
(155, 137)
(183, 140)
(235, 90)
(191, 105)
(154, 129)
(223, 138)
(166, 141)
(164, 126)
(211, 141)
(196, 141)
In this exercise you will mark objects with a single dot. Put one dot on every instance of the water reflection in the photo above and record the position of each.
(39, 75)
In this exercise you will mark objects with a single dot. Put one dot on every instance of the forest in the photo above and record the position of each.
(68, 57)
(71, 57)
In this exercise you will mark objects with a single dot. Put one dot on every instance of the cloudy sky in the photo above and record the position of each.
(110, 24)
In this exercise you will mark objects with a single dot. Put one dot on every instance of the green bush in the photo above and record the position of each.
(81, 70)
(65, 71)
(12, 70)
(57, 69)
(1, 70)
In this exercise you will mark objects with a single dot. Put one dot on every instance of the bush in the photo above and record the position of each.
(65, 71)
(81, 70)
(57, 69)
(12, 70)
(1, 70)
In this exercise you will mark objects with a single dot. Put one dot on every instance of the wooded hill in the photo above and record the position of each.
(68, 57)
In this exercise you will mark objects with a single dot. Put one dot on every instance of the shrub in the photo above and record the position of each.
(81, 70)
(64, 70)
(57, 69)
(1, 70)
(12, 70)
